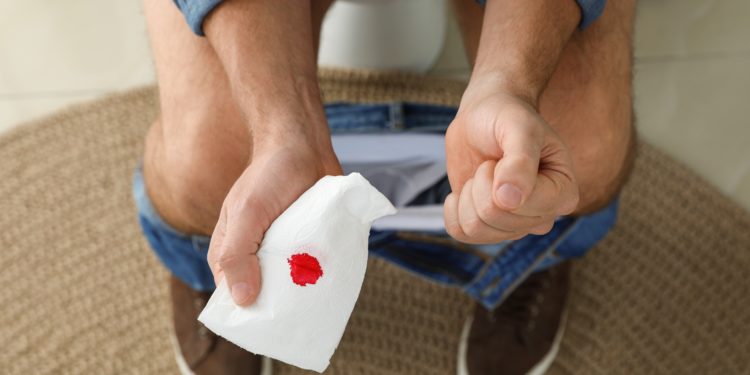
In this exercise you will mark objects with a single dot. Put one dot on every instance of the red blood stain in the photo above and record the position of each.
(305, 269)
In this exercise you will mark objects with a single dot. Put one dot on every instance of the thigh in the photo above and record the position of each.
(589, 102)
(196, 148)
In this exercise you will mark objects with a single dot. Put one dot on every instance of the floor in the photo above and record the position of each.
(692, 85)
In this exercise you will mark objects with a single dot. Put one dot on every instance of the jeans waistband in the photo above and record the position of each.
(489, 273)
(380, 117)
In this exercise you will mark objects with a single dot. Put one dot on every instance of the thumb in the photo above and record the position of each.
(516, 172)
(235, 256)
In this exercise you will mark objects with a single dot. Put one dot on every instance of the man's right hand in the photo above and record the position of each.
(280, 171)
(267, 50)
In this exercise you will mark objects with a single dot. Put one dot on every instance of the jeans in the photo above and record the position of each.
(487, 273)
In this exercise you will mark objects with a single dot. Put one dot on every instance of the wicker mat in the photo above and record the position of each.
(666, 292)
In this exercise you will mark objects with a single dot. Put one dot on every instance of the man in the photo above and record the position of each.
(544, 129)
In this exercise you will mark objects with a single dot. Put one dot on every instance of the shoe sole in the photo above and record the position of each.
(266, 365)
(539, 369)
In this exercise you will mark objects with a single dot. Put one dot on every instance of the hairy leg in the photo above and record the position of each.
(199, 145)
(588, 100)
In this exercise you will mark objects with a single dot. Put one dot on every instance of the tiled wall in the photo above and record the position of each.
(693, 86)
(53, 53)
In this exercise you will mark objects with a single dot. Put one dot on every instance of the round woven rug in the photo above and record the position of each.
(666, 292)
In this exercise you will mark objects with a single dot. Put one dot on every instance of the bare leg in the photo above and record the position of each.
(588, 100)
(199, 145)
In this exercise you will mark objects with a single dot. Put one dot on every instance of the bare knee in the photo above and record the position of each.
(589, 102)
(188, 172)
(603, 163)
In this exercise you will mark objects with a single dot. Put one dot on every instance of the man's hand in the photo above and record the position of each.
(510, 173)
(279, 173)
(267, 51)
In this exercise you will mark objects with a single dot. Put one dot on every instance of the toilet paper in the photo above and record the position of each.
(313, 260)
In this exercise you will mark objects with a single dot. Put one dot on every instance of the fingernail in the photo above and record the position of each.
(240, 292)
(510, 196)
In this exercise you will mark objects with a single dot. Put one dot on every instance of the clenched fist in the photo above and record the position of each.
(510, 173)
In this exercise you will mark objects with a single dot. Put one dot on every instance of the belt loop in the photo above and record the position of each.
(396, 116)
(200, 243)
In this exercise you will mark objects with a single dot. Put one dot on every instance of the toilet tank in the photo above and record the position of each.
(404, 35)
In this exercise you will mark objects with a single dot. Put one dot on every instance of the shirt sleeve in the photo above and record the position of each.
(590, 10)
(195, 11)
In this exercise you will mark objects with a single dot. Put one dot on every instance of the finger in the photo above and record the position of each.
(515, 173)
(476, 230)
(542, 229)
(491, 213)
(237, 256)
(217, 238)
(555, 193)
(450, 216)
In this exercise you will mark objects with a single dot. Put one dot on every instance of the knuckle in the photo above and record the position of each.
(213, 247)
(529, 127)
(570, 204)
(211, 255)
(542, 228)
(574, 201)
(525, 158)
(525, 163)
(228, 259)
(236, 204)
(473, 228)
(487, 211)
(451, 226)
(454, 230)
(533, 131)
(451, 131)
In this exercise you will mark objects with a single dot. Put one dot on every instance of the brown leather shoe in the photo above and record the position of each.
(523, 334)
(197, 349)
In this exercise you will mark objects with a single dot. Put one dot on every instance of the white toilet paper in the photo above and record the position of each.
(313, 260)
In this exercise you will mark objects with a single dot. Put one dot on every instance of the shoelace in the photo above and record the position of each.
(519, 311)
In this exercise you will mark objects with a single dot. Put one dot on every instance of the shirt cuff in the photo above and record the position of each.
(590, 10)
(196, 11)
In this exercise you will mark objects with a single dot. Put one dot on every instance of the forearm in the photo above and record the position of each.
(267, 51)
(521, 43)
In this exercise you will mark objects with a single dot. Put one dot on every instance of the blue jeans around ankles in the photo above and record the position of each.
(487, 273)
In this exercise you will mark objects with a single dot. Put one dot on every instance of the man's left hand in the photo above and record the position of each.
(510, 173)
